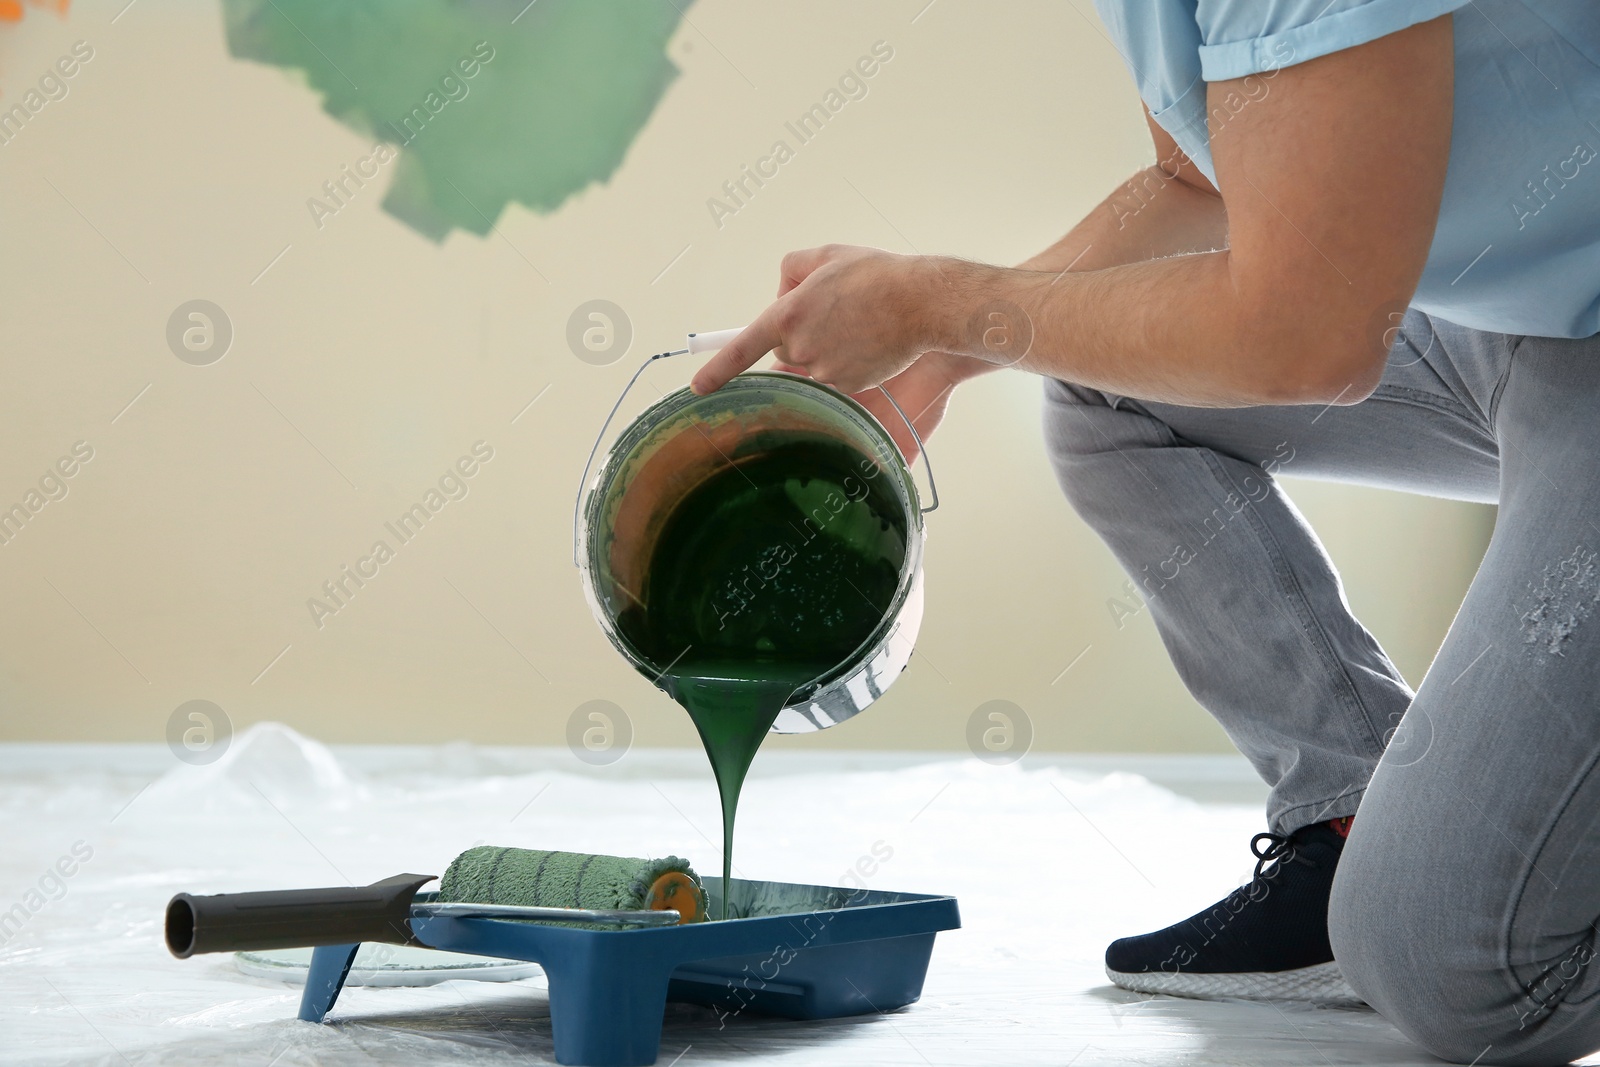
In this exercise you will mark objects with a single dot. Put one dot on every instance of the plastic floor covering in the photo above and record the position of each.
(1049, 863)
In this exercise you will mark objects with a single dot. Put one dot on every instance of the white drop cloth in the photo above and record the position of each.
(1048, 866)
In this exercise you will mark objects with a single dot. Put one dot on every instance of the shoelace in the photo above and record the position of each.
(1279, 852)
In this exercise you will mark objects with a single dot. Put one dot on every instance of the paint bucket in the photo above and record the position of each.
(683, 439)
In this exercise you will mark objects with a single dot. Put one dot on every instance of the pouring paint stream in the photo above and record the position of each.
(766, 577)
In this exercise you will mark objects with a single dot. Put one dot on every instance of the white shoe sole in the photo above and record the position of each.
(1322, 984)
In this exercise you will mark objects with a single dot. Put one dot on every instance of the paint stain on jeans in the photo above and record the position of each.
(1564, 597)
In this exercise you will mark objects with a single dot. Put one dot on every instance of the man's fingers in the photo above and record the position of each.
(739, 354)
(797, 266)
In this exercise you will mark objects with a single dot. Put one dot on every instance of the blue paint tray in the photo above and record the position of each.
(796, 951)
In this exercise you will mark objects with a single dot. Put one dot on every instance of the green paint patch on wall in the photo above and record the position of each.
(487, 110)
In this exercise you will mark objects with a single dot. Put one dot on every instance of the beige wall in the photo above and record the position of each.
(367, 359)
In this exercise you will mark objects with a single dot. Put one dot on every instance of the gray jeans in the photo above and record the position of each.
(1466, 904)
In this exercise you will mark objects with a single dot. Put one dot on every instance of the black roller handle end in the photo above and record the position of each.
(293, 918)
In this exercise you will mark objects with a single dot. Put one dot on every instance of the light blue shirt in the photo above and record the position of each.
(1517, 248)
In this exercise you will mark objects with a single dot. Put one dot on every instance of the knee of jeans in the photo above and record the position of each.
(1398, 956)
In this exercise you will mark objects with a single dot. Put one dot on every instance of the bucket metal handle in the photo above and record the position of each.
(933, 489)
(710, 342)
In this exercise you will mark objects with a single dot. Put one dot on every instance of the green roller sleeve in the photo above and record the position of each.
(496, 875)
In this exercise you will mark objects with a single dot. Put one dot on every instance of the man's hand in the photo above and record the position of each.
(849, 317)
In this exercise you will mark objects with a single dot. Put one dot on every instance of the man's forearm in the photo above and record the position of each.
(1329, 227)
(1150, 216)
(1176, 330)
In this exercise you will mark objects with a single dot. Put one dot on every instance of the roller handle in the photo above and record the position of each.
(293, 918)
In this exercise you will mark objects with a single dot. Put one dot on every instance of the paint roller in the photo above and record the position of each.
(519, 876)
(571, 888)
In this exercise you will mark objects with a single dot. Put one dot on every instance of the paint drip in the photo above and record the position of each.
(765, 578)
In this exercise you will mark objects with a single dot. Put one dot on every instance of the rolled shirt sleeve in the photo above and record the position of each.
(1244, 37)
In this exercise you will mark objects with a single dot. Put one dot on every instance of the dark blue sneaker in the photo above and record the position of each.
(1267, 940)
